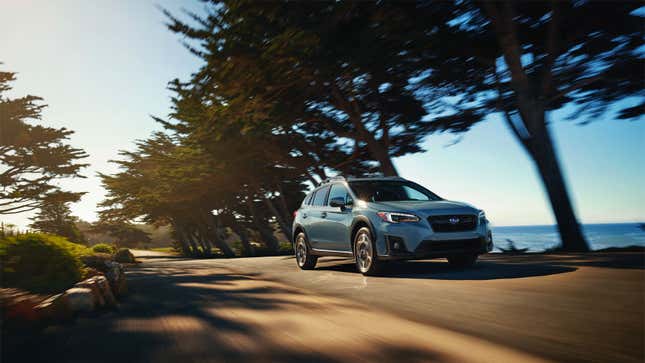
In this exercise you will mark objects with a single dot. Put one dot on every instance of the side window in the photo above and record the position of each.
(338, 191)
(307, 199)
(319, 197)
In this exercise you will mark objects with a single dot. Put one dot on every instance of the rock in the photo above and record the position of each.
(124, 255)
(106, 290)
(96, 291)
(91, 272)
(81, 299)
(55, 308)
(97, 261)
(116, 277)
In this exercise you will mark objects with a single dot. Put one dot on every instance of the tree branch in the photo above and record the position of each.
(582, 83)
(552, 47)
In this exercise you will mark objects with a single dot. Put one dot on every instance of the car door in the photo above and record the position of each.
(335, 229)
(316, 218)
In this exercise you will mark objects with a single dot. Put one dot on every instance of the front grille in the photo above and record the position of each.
(454, 245)
(453, 223)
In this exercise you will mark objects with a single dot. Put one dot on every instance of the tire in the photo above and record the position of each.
(304, 259)
(365, 256)
(463, 261)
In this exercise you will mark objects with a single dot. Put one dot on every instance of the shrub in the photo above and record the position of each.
(124, 255)
(285, 249)
(96, 260)
(40, 262)
(103, 248)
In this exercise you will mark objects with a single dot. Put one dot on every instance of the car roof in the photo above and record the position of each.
(351, 178)
(376, 178)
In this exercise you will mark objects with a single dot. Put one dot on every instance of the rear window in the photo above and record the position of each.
(319, 197)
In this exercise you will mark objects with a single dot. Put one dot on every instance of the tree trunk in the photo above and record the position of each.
(387, 166)
(240, 230)
(178, 234)
(284, 227)
(265, 231)
(283, 203)
(219, 243)
(531, 108)
(377, 150)
(191, 241)
(543, 153)
(201, 235)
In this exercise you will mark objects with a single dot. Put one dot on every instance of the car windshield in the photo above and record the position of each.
(390, 191)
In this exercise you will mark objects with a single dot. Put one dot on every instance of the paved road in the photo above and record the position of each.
(567, 308)
(522, 308)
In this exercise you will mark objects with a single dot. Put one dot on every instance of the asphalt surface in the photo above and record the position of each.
(508, 308)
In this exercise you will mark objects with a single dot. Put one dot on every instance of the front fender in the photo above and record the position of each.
(363, 220)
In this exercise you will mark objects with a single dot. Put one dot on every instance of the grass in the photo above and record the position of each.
(165, 249)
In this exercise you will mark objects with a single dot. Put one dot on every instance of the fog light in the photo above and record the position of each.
(395, 244)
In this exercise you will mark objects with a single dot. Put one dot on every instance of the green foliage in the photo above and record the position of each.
(289, 92)
(40, 262)
(32, 157)
(286, 248)
(304, 76)
(96, 260)
(123, 255)
(56, 218)
(522, 61)
(103, 248)
(126, 234)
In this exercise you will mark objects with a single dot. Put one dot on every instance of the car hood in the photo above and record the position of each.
(426, 208)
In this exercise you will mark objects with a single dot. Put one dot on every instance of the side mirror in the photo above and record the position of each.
(337, 202)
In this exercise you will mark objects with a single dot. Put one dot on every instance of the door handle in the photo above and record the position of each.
(304, 215)
(323, 215)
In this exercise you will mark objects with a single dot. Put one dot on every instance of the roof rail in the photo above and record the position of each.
(377, 176)
(392, 177)
(331, 179)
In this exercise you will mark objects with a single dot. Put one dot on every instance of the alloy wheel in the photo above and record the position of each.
(364, 253)
(301, 251)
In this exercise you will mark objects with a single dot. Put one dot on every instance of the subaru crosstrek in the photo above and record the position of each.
(374, 220)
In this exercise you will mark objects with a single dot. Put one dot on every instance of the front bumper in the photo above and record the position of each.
(415, 241)
(436, 249)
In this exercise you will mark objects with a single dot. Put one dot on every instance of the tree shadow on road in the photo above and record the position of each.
(499, 266)
(440, 270)
(175, 315)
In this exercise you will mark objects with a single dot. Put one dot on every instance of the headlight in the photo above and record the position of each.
(482, 217)
(395, 217)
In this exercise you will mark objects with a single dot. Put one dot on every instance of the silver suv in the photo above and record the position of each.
(373, 220)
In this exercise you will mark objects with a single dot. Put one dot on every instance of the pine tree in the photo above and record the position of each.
(56, 218)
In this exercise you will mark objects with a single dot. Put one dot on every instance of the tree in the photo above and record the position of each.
(56, 218)
(290, 92)
(32, 157)
(126, 234)
(524, 60)
(284, 67)
(166, 183)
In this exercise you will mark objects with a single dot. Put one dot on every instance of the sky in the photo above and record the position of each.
(102, 67)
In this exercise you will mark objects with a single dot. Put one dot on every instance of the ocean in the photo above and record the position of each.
(540, 238)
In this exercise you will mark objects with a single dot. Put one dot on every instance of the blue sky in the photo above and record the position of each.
(102, 67)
